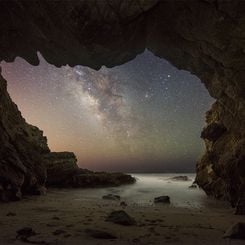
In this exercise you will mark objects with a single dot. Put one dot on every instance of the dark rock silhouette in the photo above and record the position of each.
(193, 186)
(203, 37)
(180, 178)
(213, 131)
(99, 234)
(22, 167)
(162, 199)
(111, 197)
(120, 217)
(236, 231)
(25, 232)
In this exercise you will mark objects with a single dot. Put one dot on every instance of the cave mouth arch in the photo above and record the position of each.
(203, 37)
(144, 116)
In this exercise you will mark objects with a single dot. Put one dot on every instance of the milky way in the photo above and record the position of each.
(141, 116)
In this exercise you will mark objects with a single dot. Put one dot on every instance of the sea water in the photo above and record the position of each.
(148, 186)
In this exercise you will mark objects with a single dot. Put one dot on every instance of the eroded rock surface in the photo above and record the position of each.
(21, 147)
(205, 37)
(63, 171)
(27, 165)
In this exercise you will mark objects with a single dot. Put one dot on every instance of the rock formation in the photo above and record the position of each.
(205, 37)
(22, 145)
(26, 163)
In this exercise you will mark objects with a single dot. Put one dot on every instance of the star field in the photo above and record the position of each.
(141, 116)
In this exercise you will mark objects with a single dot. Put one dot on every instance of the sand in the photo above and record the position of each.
(61, 217)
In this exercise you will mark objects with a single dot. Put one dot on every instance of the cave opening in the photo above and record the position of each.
(129, 117)
(143, 116)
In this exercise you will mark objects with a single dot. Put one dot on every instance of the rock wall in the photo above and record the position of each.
(26, 164)
(205, 37)
(21, 148)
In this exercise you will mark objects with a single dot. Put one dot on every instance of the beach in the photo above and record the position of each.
(64, 216)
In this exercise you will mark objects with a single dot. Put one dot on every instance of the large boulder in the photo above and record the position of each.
(236, 231)
(121, 217)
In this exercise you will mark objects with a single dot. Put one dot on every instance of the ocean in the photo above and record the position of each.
(151, 185)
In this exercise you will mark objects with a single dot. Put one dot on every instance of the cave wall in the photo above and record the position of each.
(22, 145)
(205, 37)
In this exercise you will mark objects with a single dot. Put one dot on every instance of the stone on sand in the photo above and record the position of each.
(236, 231)
(111, 197)
(162, 199)
(120, 217)
(98, 234)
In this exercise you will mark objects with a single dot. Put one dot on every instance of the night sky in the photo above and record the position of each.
(143, 116)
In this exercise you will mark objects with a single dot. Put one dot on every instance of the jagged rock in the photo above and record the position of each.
(120, 217)
(193, 186)
(98, 234)
(236, 231)
(63, 171)
(123, 204)
(11, 214)
(111, 197)
(25, 232)
(22, 145)
(58, 232)
(61, 167)
(162, 199)
(203, 37)
(180, 178)
(240, 206)
(213, 131)
(99, 179)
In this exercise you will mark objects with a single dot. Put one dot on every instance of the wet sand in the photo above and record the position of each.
(62, 218)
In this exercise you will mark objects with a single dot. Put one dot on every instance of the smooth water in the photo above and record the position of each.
(149, 186)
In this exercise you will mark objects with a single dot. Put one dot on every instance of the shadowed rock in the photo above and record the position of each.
(236, 231)
(63, 171)
(162, 199)
(25, 232)
(213, 131)
(180, 178)
(112, 197)
(193, 186)
(120, 217)
(98, 234)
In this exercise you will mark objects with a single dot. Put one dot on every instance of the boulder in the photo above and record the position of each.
(25, 232)
(99, 234)
(236, 231)
(162, 199)
(120, 217)
(180, 178)
(111, 197)
(123, 204)
(193, 186)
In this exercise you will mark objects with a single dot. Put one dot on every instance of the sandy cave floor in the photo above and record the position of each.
(62, 210)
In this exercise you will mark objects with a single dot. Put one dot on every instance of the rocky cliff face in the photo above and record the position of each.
(21, 148)
(205, 37)
(26, 164)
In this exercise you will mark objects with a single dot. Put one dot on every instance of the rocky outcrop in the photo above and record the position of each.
(21, 147)
(61, 167)
(63, 171)
(205, 37)
(27, 165)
